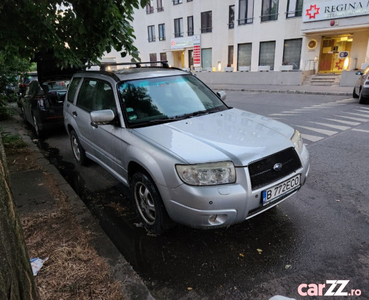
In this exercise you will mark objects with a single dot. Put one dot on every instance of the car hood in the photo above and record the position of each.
(234, 134)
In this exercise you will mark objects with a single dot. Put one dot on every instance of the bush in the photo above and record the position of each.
(13, 141)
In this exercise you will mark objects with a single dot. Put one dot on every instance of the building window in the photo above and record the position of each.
(244, 55)
(230, 56)
(161, 32)
(163, 56)
(151, 33)
(206, 58)
(231, 17)
(269, 10)
(178, 27)
(246, 12)
(189, 0)
(175, 2)
(206, 22)
(294, 8)
(292, 53)
(150, 7)
(153, 58)
(190, 31)
(267, 53)
(159, 4)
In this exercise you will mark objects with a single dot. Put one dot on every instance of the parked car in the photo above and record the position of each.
(361, 89)
(186, 156)
(42, 105)
(23, 81)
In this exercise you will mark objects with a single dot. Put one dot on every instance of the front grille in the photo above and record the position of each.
(262, 172)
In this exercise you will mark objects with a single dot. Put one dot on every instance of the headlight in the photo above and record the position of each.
(207, 174)
(297, 141)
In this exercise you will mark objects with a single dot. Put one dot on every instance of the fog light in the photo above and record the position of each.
(217, 219)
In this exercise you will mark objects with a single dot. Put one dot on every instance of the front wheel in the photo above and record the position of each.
(79, 153)
(149, 204)
(362, 99)
(354, 95)
(36, 126)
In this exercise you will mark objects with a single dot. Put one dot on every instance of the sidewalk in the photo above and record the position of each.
(37, 187)
(290, 89)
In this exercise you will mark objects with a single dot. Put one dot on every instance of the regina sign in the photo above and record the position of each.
(333, 9)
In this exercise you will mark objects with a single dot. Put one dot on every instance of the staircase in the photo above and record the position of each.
(323, 79)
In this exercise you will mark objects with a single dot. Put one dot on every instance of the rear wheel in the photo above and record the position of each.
(149, 204)
(78, 151)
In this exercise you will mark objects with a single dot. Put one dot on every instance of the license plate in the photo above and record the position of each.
(281, 189)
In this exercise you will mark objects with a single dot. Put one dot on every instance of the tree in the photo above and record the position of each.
(75, 31)
(16, 278)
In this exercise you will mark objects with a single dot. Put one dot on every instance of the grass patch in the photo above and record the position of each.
(11, 141)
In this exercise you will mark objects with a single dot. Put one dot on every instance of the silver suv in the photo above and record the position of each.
(186, 156)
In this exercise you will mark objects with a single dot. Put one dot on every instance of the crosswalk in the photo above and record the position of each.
(326, 127)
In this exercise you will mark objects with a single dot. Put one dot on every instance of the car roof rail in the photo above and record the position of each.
(138, 64)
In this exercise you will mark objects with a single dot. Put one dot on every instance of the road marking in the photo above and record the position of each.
(360, 130)
(322, 131)
(281, 115)
(348, 100)
(352, 118)
(339, 127)
(344, 122)
(311, 138)
(362, 110)
(360, 115)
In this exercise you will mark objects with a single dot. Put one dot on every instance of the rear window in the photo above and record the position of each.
(73, 89)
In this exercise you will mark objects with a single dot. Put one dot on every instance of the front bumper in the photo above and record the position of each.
(224, 205)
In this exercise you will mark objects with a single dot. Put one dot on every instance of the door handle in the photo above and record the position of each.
(75, 113)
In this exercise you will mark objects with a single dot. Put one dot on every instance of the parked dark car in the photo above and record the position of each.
(361, 89)
(42, 104)
(23, 82)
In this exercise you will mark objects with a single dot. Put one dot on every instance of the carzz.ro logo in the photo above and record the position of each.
(329, 288)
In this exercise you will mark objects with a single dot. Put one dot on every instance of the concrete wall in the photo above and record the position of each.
(267, 78)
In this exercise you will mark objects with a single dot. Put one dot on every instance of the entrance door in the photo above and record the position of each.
(190, 59)
(335, 54)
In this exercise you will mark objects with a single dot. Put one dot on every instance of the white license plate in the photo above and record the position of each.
(279, 190)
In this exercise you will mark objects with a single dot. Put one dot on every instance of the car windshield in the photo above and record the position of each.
(162, 99)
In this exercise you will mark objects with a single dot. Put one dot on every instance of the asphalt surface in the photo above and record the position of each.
(25, 193)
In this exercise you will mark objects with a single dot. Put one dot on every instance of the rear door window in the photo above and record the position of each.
(73, 89)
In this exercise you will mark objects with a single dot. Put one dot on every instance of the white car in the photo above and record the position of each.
(186, 156)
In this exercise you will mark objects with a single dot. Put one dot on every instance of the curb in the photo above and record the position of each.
(120, 270)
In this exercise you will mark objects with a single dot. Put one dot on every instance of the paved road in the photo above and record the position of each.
(319, 234)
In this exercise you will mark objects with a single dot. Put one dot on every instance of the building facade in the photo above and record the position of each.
(327, 36)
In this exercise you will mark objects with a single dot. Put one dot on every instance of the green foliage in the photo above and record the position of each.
(10, 67)
(13, 141)
(74, 30)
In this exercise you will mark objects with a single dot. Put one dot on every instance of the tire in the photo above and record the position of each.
(36, 126)
(354, 95)
(362, 100)
(148, 203)
(79, 153)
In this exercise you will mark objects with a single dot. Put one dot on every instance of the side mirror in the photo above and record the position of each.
(359, 73)
(101, 117)
(222, 95)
